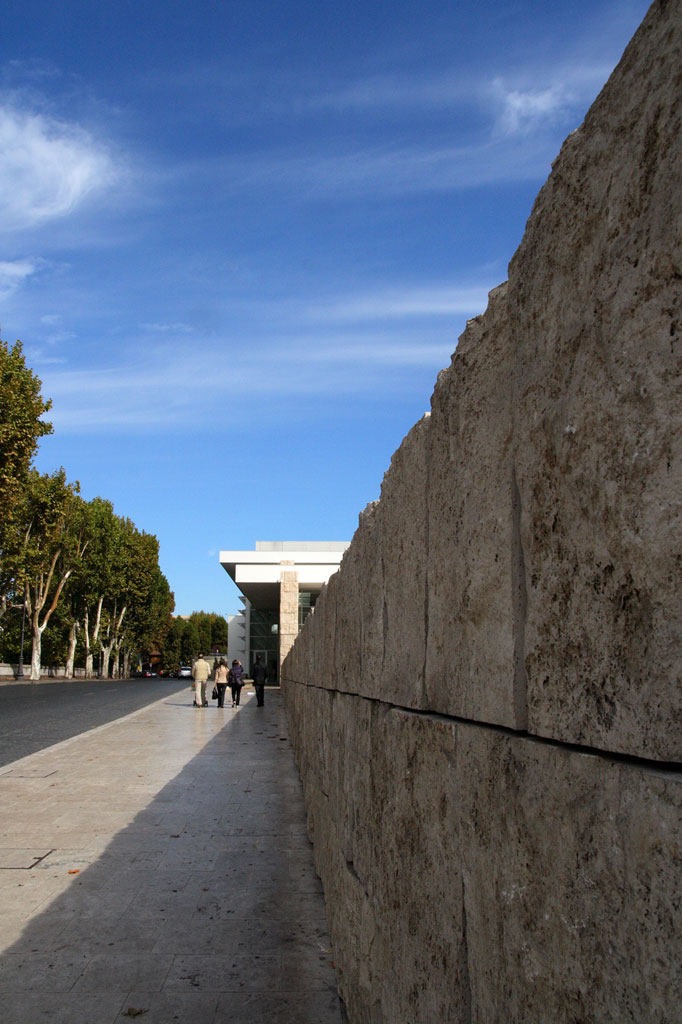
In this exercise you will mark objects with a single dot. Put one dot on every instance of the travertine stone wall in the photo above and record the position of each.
(472, 874)
(485, 705)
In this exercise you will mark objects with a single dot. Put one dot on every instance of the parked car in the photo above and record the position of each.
(185, 672)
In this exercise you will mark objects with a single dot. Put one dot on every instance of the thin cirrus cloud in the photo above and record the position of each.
(13, 274)
(382, 92)
(167, 328)
(513, 124)
(174, 388)
(383, 171)
(344, 347)
(401, 303)
(536, 93)
(48, 168)
(516, 125)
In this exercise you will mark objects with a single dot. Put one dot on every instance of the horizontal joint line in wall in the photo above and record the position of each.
(651, 764)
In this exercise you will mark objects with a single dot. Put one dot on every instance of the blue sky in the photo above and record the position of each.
(239, 240)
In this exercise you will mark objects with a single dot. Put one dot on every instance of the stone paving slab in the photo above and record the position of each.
(158, 867)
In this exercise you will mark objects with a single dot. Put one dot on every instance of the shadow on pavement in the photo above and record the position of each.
(204, 908)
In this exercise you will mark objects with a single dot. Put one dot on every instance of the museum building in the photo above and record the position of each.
(279, 583)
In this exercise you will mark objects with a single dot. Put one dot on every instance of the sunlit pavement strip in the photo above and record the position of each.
(158, 867)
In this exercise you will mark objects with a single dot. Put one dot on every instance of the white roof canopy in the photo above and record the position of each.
(257, 573)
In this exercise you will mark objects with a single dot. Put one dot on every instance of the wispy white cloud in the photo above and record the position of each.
(383, 171)
(59, 337)
(524, 110)
(529, 103)
(167, 328)
(349, 346)
(403, 92)
(540, 88)
(34, 69)
(13, 273)
(173, 388)
(504, 124)
(399, 355)
(53, 360)
(48, 168)
(396, 304)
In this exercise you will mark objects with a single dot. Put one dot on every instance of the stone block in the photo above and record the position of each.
(472, 875)
(486, 864)
(545, 567)
(382, 829)
(402, 520)
(594, 310)
(471, 563)
(571, 868)
(356, 634)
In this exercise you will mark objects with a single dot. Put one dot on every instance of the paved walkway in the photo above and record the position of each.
(158, 867)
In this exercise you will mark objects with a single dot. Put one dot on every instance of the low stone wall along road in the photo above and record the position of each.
(36, 715)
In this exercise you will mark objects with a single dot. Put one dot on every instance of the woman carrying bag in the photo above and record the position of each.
(220, 680)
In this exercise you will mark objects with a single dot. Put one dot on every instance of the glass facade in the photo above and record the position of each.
(264, 640)
(306, 603)
(264, 636)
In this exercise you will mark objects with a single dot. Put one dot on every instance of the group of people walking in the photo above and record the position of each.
(222, 677)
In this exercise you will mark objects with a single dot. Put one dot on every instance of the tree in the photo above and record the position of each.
(143, 609)
(203, 623)
(73, 600)
(211, 629)
(53, 542)
(190, 643)
(21, 406)
(74, 567)
(117, 597)
(99, 576)
(172, 643)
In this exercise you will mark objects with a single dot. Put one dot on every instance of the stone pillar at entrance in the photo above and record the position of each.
(288, 610)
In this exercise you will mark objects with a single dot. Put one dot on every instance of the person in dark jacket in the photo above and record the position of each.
(260, 675)
(236, 680)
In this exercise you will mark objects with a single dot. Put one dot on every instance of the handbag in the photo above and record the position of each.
(214, 695)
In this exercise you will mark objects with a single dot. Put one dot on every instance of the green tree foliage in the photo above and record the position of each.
(172, 655)
(52, 542)
(212, 630)
(146, 601)
(77, 572)
(88, 576)
(21, 406)
(200, 633)
(190, 644)
(122, 599)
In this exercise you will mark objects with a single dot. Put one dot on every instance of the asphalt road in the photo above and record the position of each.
(36, 715)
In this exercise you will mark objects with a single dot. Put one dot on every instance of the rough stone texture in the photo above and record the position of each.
(383, 846)
(470, 655)
(572, 882)
(403, 541)
(522, 566)
(485, 704)
(595, 311)
(473, 875)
